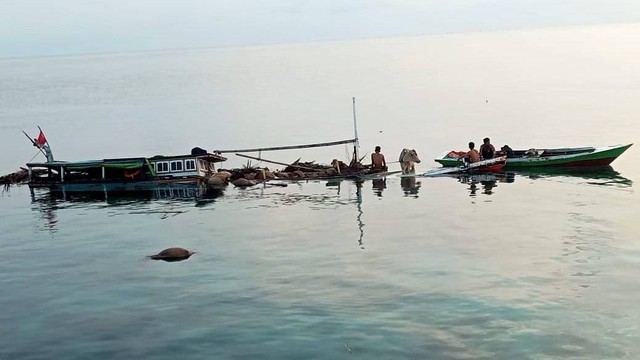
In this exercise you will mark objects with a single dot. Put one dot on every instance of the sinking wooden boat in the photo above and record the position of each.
(485, 166)
(124, 174)
(561, 157)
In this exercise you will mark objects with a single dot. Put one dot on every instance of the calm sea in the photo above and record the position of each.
(539, 265)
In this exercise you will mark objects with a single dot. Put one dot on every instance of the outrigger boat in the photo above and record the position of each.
(484, 166)
(120, 174)
(562, 157)
(124, 173)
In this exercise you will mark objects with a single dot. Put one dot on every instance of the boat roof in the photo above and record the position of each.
(119, 162)
(208, 157)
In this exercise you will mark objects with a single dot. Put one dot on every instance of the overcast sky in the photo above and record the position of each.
(52, 27)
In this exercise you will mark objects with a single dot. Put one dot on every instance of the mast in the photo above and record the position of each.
(356, 144)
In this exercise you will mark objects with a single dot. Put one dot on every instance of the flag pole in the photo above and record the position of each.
(33, 142)
(46, 146)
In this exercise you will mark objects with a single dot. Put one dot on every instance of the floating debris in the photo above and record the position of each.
(17, 177)
(172, 254)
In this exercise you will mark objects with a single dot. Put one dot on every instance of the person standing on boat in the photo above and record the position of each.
(487, 151)
(472, 155)
(378, 163)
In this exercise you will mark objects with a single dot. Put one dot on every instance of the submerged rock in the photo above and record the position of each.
(172, 254)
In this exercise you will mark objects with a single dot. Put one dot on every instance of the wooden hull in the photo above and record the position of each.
(569, 157)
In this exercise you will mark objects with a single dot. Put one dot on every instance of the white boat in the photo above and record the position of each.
(483, 166)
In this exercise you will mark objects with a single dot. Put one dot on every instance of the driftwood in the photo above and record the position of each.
(17, 177)
(279, 163)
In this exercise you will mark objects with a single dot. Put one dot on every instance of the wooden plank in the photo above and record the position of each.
(278, 163)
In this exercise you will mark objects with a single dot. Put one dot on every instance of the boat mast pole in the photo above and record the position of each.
(356, 144)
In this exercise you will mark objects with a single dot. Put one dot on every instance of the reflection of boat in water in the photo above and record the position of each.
(197, 193)
(48, 202)
(600, 175)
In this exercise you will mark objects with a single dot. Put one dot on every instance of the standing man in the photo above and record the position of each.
(378, 163)
(487, 151)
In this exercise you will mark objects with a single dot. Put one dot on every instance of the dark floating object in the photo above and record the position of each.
(172, 254)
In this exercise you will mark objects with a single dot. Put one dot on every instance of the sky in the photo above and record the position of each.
(60, 27)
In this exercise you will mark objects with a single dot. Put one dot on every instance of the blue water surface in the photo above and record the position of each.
(535, 265)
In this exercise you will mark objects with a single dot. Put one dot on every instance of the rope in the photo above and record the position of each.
(34, 156)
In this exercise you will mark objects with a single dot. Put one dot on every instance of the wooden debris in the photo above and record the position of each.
(17, 177)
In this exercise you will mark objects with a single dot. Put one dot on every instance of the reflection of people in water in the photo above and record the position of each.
(410, 186)
(487, 186)
(473, 187)
(379, 185)
(487, 181)
(472, 181)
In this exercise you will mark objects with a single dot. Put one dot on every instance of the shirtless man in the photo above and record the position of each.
(378, 163)
(473, 155)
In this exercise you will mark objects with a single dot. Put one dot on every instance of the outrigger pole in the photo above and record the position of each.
(291, 146)
(356, 143)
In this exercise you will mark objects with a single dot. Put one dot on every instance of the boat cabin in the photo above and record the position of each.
(183, 166)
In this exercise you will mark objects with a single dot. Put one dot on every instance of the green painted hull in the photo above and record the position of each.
(597, 157)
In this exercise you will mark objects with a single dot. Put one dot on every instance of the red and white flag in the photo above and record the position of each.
(41, 138)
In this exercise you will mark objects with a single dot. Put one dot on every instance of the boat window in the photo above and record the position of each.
(176, 165)
(190, 164)
(162, 167)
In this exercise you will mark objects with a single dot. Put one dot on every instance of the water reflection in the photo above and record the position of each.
(410, 186)
(486, 182)
(601, 175)
(358, 201)
(359, 216)
(48, 201)
(379, 185)
(115, 198)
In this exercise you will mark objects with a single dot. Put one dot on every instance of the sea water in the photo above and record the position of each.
(536, 265)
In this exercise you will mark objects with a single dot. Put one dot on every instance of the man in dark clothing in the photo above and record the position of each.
(487, 151)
